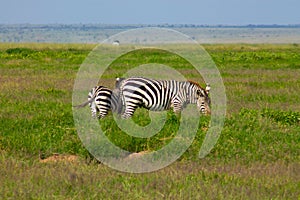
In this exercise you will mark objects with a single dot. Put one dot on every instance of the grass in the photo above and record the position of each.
(181, 180)
(256, 157)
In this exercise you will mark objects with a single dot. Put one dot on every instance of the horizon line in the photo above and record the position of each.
(162, 24)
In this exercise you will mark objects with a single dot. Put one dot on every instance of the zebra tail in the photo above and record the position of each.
(84, 104)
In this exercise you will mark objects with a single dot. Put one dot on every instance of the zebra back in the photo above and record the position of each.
(161, 95)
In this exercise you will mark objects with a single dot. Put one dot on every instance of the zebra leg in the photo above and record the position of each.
(102, 112)
(102, 115)
(177, 106)
(177, 109)
(129, 110)
(103, 109)
(94, 114)
(118, 106)
(93, 109)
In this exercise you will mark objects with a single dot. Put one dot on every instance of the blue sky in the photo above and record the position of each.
(212, 12)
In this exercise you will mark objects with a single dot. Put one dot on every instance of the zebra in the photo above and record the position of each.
(102, 99)
(158, 95)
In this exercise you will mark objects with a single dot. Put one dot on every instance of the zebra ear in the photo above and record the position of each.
(207, 89)
(118, 82)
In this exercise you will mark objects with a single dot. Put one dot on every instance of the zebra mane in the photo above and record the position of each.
(195, 83)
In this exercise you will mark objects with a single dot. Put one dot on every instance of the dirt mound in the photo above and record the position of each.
(60, 158)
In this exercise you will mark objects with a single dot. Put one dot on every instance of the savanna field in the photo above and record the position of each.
(256, 157)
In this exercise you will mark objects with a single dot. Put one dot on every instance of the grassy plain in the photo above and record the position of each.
(256, 157)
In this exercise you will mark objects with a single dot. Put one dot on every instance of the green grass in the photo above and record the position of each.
(256, 157)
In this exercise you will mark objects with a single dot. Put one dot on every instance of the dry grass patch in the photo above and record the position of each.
(60, 158)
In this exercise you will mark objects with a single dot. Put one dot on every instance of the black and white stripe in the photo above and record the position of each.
(101, 100)
(158, 95)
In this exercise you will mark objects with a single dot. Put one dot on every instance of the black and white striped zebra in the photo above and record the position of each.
(158, 95)
(101, 100)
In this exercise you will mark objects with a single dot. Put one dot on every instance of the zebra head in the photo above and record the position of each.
(201, 98)
(203, 102)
